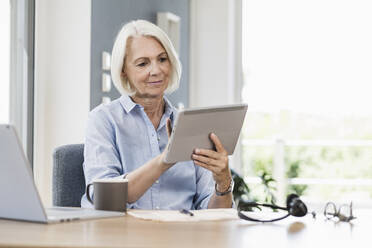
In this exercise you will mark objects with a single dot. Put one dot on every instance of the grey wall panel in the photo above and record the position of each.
(110, 15)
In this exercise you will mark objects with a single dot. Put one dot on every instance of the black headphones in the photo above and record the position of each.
(295, 207)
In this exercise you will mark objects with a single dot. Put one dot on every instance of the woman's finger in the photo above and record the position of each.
(169, 127)
(208, 153)
(217, 144)
(207, 160)
(206, 166)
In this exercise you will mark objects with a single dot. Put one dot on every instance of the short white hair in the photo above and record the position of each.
(142, 28)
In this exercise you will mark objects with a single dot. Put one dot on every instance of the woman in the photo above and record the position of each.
(127, 138)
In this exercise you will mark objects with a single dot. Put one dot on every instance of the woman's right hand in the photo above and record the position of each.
(163, 154)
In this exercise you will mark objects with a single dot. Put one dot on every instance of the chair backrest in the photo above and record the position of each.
(68, 175)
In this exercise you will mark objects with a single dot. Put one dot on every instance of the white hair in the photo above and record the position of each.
(142, 28)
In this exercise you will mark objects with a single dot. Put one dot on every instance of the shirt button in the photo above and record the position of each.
(157, 207)
(157, 181)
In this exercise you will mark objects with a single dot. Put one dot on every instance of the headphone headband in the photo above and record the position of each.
(295, 207)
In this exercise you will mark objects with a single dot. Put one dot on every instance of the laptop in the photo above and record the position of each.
(192, 127)
(19, 198)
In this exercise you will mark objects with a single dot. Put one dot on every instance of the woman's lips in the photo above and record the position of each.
(156, 82)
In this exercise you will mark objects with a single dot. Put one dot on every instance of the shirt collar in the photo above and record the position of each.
(129, 105)
(169, 109)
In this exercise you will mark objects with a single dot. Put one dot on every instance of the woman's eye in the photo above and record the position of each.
(141, 64)
(163, 59)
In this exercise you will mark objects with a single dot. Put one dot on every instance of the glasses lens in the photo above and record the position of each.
(345, 210)
(330, 210)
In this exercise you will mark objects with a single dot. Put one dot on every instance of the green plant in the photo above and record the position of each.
(242, 194)
(269, 186)
(293, 171)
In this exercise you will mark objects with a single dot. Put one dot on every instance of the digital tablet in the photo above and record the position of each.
(192, 128)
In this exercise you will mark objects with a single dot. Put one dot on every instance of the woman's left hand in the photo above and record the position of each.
(215, 161)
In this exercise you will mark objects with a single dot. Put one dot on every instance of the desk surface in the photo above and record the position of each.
(131, 232)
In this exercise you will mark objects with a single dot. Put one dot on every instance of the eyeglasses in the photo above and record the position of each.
(344, 213)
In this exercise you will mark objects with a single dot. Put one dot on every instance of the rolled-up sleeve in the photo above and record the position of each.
(101, 158)
(204, 188)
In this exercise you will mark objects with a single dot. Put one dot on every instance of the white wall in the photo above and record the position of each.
(62, 69)
(215, 61)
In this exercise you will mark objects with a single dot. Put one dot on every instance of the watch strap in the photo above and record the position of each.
(229, 189)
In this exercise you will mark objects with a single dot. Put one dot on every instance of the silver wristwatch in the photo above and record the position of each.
(230, 189)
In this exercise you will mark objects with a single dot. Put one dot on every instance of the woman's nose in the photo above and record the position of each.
(154, 69)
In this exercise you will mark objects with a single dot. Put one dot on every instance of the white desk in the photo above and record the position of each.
(131, 232)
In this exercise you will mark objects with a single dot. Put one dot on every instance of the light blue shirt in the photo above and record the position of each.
(121, 138)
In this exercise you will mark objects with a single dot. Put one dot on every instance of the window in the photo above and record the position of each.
(4, 60)
(307, 80)
(17, 69)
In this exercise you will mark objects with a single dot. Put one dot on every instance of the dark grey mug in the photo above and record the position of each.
(109, 194)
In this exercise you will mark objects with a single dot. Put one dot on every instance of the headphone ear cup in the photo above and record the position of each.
(295, 206)
(290, 199)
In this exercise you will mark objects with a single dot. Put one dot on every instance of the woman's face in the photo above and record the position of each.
(147, 66)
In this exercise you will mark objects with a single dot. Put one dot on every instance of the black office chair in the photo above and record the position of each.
(68, 175)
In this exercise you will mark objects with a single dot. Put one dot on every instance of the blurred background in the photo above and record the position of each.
(303, 67)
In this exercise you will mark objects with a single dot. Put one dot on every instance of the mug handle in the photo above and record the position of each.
(88, 195)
